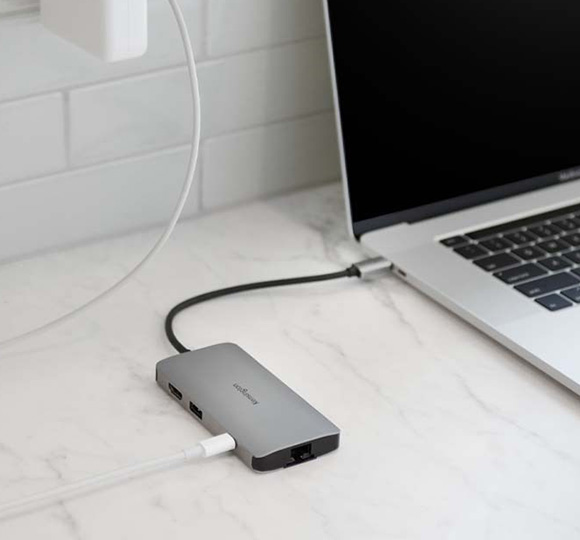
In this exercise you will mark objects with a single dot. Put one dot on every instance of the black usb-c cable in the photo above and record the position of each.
(363, 270)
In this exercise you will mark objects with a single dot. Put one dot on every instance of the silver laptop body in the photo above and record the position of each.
(550, 340)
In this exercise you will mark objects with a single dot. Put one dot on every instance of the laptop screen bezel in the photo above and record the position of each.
(415, 214)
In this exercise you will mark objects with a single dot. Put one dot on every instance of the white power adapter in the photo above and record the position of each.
(112, 30)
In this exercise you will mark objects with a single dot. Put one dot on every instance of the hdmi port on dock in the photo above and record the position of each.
(175, 392)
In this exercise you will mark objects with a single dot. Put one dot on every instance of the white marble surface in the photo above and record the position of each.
(445, 434)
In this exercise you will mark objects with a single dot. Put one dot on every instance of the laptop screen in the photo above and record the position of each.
(445, 105)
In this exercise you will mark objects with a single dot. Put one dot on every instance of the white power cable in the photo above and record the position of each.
(208, 448)
(180, 204)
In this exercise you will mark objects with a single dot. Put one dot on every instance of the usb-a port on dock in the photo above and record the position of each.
(196, 410)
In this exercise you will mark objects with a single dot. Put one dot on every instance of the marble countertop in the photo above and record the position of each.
(446, 435)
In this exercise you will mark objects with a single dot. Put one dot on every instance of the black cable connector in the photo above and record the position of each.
(360, 270)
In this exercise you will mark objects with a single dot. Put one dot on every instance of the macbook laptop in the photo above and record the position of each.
(459, 127)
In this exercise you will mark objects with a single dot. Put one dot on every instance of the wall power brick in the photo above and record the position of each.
(112, 30)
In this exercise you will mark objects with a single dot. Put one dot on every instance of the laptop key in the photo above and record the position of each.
(455, 241)
(572, 239)
(573, 294)
(496, 244)
(573, 256)
(555, 264)
(554, 246)
(568, 225)
(540, 287)
(529, 253)
(520, 237)
(554, 302)
(520, 273)
(471, 251)
(497, 262)
(545, 231)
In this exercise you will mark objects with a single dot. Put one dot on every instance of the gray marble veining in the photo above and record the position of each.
(446, 435)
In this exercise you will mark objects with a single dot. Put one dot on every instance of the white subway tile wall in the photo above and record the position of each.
(121, 196)
(236, 25)
(269, 159)
(89, 149)
(12, 6)
(32, 137)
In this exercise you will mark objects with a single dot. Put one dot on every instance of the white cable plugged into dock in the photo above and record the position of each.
(205, 449)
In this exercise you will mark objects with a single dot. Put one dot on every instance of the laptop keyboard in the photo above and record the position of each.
(538, 256)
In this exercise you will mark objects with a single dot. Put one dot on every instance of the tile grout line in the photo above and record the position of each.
(67, 127)
(271, 123)
(92, 167)
(93, 84)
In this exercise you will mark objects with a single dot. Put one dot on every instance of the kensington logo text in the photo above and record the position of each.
(244, 392)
